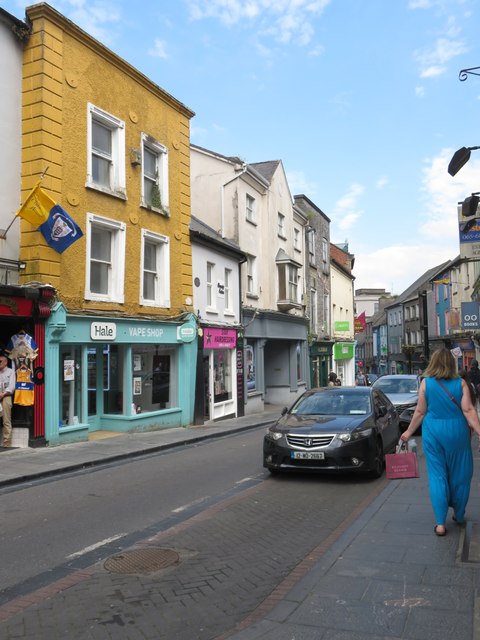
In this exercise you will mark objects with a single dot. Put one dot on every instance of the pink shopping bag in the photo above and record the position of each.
(402, 464)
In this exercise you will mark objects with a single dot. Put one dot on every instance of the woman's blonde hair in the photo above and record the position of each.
(441, 365)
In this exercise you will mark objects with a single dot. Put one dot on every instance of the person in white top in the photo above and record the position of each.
(7, 389)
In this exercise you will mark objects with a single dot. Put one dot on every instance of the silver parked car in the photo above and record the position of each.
(402, 391)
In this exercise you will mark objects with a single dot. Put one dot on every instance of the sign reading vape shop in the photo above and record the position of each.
(103, 331)
(214, 338)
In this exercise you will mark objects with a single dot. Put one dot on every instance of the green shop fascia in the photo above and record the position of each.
(117, 374)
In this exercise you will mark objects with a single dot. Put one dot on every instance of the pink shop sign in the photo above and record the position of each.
(219, 338)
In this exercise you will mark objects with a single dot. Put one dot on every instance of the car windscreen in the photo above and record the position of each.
(333, 404)
(400, 385)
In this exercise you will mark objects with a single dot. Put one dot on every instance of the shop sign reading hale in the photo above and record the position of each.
(103, 331)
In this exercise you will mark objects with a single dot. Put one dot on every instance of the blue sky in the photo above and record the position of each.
(359, 99)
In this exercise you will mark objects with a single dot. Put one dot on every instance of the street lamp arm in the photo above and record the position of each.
(463, 74)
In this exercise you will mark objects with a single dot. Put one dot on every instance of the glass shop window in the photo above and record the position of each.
(153, 376)
(71, 385)
(222, 375)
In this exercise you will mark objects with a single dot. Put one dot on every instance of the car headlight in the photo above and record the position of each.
(354, 435)
(273, 435)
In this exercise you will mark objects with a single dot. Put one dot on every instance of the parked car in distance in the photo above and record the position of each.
(371, 377)
(333, 429)
(402, 390)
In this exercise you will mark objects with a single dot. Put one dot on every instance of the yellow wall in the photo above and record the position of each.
(64, 69)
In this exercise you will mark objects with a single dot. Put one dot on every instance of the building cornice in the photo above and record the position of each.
(43, 10)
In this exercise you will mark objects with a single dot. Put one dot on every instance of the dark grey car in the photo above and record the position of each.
(333, 429)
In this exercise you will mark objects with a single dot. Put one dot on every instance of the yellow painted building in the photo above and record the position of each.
(120, 344)
(71, 84)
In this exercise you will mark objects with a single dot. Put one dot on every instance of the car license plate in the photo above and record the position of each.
(308, 455)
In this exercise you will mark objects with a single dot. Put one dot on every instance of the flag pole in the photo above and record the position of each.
(3, 232)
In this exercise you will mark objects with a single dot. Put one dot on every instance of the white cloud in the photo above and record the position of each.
(96, 18)
(441, 194)
(382, 182)
(159, 49)
(299, 184)
(396, 267)
(432, 61)
(435, 240)
(282, 20)
(346, 212)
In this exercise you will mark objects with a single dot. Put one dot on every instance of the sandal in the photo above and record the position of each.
(440, 534)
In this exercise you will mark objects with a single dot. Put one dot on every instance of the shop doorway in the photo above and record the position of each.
(10, 328)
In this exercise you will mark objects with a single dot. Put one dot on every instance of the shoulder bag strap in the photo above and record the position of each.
(449, 394)
(455, 401)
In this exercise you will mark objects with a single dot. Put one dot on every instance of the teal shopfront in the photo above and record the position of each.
(117, 374)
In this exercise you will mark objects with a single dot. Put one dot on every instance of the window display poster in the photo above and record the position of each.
(137, 362)
(137, 386)
(68, 370)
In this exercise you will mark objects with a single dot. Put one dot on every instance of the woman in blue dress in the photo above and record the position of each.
(447, 415)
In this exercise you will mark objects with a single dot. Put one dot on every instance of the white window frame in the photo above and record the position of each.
(117, 266)
(250, 208)
(211, 297)
(281, 225)
(117, 185)
(324, 250)
(227, 288)
(311, 246)
(251, 288)
(161, 153)
(313, 310)
(162, 275)
(296, 239)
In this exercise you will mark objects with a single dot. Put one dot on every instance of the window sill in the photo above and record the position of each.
(229, 313)
(252, 222)
(252, 296)
(163, 211)
(155, 304)
(282, 236)
(96, 298)
(212, 311)
(121, 193)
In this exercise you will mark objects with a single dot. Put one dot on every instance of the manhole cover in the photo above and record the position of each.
(141, 560)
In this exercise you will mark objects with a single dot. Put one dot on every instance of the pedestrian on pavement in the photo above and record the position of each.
(463, 373)
(332, 379)
(474, 374)
(445, 411)
(7, 389)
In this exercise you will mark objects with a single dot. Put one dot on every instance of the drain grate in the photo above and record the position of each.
(144, 561)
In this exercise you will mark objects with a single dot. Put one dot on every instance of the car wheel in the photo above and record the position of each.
(379, 460)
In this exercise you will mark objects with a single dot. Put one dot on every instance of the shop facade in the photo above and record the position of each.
(344, 362)
(117, 374)
(276, 358)
(320, 354)
(220, 362)
(23, 313)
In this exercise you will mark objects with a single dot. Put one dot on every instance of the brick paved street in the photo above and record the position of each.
(232, 557)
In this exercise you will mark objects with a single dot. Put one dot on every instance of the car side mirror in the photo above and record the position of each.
(382, 410)
(284, 410)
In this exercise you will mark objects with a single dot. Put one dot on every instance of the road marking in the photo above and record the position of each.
(244, 480)
(97, 545)
(190, 504)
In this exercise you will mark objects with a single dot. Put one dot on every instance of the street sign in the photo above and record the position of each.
(469, 240)
(471, 315)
